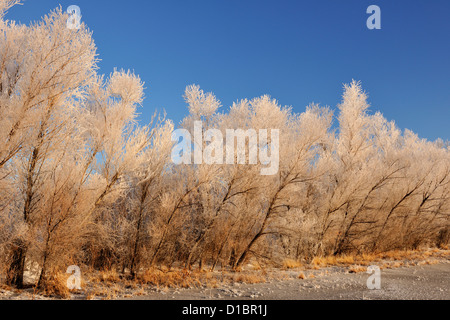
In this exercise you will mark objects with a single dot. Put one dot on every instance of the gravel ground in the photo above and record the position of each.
(425, 282)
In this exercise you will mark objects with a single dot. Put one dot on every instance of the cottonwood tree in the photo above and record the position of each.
(86, 182)
(300, 137)
(217, 217)
(362, 160)
(67, 133)
(148, 179)
(417, 199)
(50, 71)
(119, 145)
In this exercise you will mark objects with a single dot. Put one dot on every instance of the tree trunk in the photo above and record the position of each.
(17, 266)
(134, 255)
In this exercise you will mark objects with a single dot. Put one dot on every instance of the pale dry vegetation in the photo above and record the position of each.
(82, 183)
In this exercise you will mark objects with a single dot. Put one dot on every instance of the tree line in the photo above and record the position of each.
(82, 182)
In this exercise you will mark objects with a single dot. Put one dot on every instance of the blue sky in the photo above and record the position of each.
(296, 51)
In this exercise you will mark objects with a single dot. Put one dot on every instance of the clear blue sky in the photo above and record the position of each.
(296, 51)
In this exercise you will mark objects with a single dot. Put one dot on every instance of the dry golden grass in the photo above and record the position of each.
(111, 276)
(255, 265)
(427, 262)
(365, 259)
(56, 285)
(103, 276)
(291, 264)
(109, 284)
(6, 287)
(105, 293)
(322, 261)
(357, 269)
(390, 259)
(90, 295)
(250, 278)
(171, 279)
(345, 259)
(333, 261)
